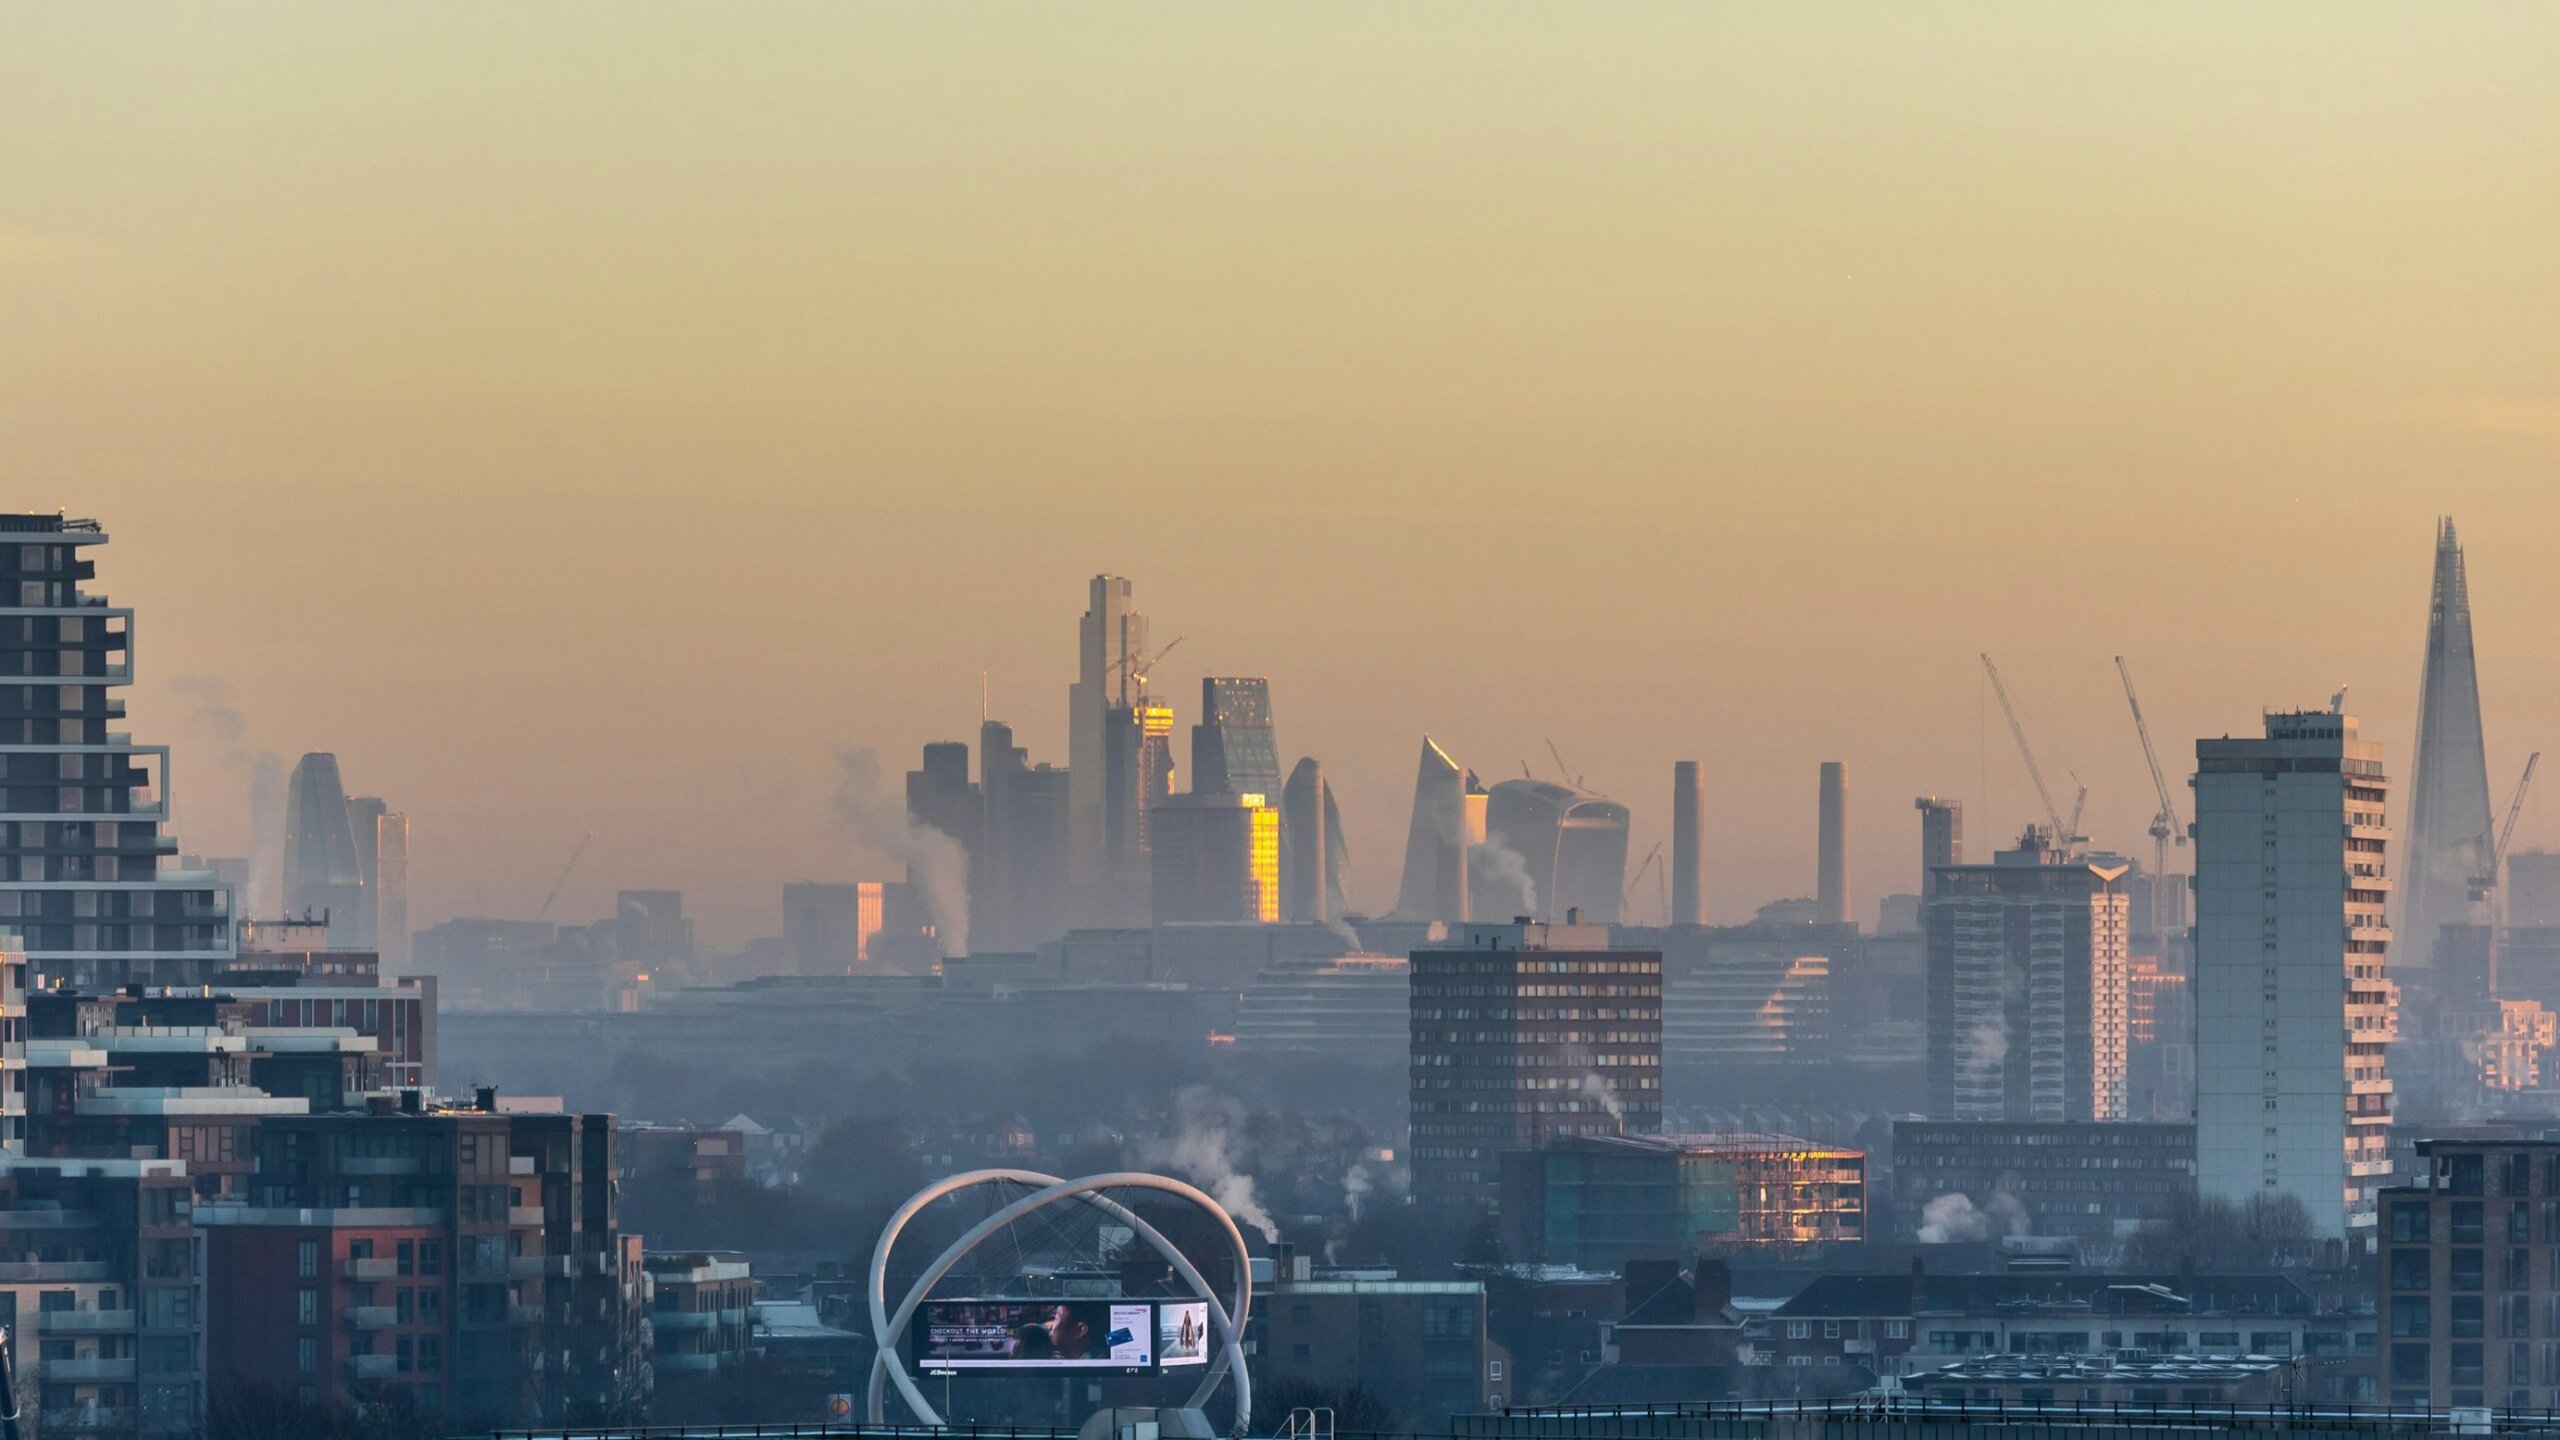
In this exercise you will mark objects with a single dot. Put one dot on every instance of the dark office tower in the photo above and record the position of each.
(323, 871)
(1111, 655)
(82, 875)
(1831, 882)
(1037, 855)
(2027, 987)
(1216, 858)
(364, 824)
(391, 893)
(1233, 751)
(650, 928)
(824, 927)
(1491, 1070)
(1570, 844)
(2449, 799)
(1688, 845)
(1941, 838)
(1137, 760)
(991, 880)
(1448, 821)
(1303, 845)
(941, 796)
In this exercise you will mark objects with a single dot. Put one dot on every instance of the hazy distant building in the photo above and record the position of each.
(82, 877)
(2293, 1008)
(1745, 1004)
(2533, 889)
(1111, 652)
(1018, 876)
(1351, 1009)
(1598, 1201)
(1448, 822)
(650, 928)
(1233, 748)
(827, 929)
(364, 826)
(939, 794)
(391, 891)
(1313, 857)
(1571, 843)
(1521, 1034)
(323, 871)
(1941, 836)
(1216, 857)
(2027, 987)
(1137, 758)
(1831, 887)
(2448, 846)
(1688, 845)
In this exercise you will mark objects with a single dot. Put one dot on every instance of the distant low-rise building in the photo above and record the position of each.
(1599, 1201)
(1351, 1009)
(699, 1316)
(1975, 1180)
(1420, 1347)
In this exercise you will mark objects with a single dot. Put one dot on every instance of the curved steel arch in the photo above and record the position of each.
(887, 1331)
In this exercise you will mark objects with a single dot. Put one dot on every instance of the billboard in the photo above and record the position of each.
(1182, 1333)
(1109, 1336)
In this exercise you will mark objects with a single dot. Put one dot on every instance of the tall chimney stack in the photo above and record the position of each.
(1831, 884)
(1688, 845)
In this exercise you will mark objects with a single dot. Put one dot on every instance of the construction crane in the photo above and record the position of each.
(2164, 824)
(545, 912)
(2482, 886)
(1564, 772)
(2063, 834)
(1139, 667)
(1637, 879)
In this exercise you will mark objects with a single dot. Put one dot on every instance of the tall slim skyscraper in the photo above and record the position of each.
(82, 873)
(1137, 764)
(1831, 881)
(1688, 845)
(1233, 749)
(2293, 1009)
(364, 823)
(391, 892)
(1111, 646)
(2449, 841)
(1448, 822)
(1304, 845)
(323, 870)
(1941, 838)
(2027, 986)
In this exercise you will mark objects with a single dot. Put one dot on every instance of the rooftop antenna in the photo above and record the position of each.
(985, 709)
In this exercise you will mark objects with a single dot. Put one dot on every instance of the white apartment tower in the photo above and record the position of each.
(2292, 1006)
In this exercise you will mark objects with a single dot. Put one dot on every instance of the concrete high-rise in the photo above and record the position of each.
(2449, 842)
(1233, 748)
(1111, 652)
(1448, 822)
(1831, 879)
(390, 882)
(1521, 1034)
(364, 825)
(2027, 1002)
(2293, 1008)
(1571, 843)
(1310, 878)
(1216, 857)
(85, 872)
(1688, 845)
(323, 871)
(827, 929)
(1018, 875)
(1941, 837)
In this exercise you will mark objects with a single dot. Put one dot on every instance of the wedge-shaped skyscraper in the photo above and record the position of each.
(2449, 792)
(1448, 821)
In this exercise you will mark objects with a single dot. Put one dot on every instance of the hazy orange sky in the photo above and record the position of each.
(589, 417)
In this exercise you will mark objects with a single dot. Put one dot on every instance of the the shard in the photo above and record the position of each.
(2448, 849)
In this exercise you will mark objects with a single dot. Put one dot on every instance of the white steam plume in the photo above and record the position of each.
(263, 770)
(1985, 1046)
(1954, 1217)
(1206, 1140)
(1596, 1086)
(1501, 876)
(1356, 1190)
(934, 861)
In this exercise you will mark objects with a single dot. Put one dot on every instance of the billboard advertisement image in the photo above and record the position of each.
(1036, 1335)
(1182, 1333)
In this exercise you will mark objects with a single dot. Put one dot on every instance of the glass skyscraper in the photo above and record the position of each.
(86, 873)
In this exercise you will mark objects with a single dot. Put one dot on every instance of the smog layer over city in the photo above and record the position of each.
(1149, 722)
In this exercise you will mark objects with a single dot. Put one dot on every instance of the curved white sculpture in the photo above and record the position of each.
(887, 1330)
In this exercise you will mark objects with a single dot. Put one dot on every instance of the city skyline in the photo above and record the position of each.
(1807, 381)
